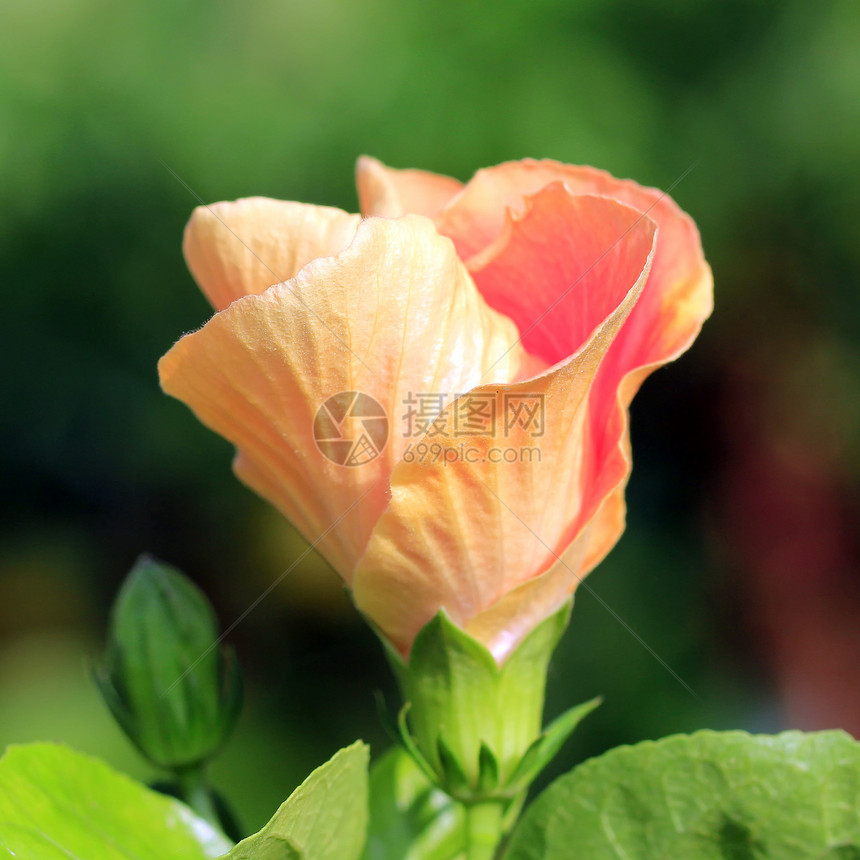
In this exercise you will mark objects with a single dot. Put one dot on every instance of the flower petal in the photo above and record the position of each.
(508, 621)
(391, 193)
(395, 313)
(674, 304)
(460, 534)
(548, 268)
(680, 293)
(242, 247)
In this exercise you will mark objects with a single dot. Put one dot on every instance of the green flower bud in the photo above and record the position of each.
(165, 677)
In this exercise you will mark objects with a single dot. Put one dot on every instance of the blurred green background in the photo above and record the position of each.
(740, 563)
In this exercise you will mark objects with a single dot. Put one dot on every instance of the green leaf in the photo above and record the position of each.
(708, 796)
(325, 818)
(57, 804)
(410, 819)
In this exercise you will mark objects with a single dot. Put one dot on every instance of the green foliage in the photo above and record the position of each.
(325, 818)
(170, 685)
(56, 804)
(410, 819)
(707, 796)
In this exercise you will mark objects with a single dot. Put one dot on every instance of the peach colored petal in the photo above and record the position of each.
(242, 247)
(503, 625)
(391, 193)
(394, 314)
(461, 535)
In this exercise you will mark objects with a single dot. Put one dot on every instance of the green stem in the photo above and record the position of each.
(483, 829)
(195, 792)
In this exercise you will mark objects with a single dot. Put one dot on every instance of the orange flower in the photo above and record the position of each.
(540, 293)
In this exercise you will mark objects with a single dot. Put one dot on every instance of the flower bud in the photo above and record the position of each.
(170, 685)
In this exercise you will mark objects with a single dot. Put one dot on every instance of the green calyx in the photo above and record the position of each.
(473, 726)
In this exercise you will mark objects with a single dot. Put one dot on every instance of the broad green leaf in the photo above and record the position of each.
(707, 796)
(410, 819)
(325, 818)
(56, 804)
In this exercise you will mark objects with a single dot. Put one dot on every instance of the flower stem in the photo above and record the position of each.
(195, 792)
(483, 829)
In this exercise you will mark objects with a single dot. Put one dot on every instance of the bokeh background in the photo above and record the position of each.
(740, 563)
